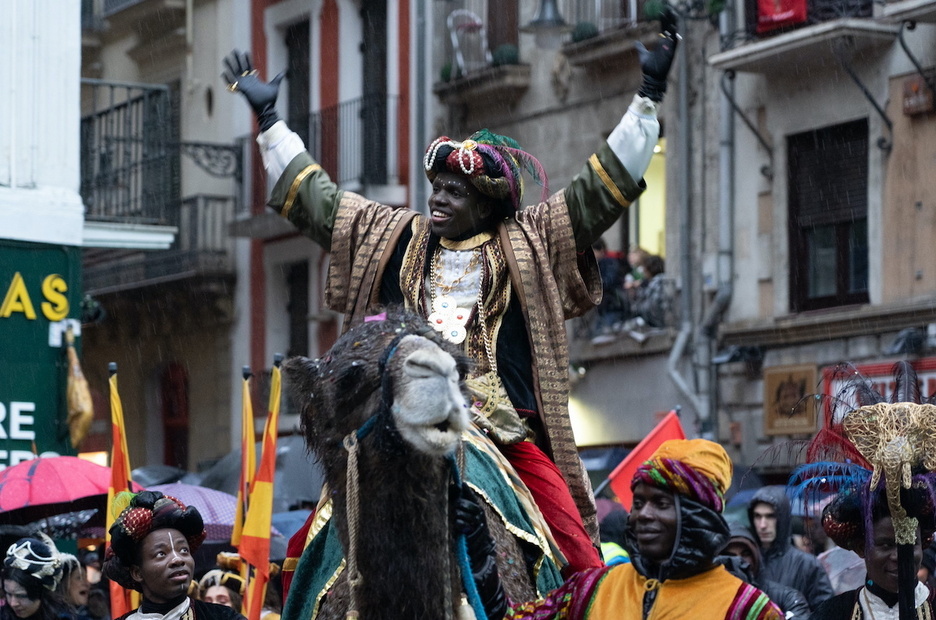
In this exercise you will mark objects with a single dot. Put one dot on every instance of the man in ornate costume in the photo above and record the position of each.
(878, 457)
(496, 279)
(675, 530)
(152, 542)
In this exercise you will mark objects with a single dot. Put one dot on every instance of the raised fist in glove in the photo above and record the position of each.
(241, 77)
(656, 64)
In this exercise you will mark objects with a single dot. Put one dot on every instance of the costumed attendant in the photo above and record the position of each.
(152, 542)
(879, 457)
(498, 280)
(225, 586)
(32, 570)
(222, 588)
(674, 532)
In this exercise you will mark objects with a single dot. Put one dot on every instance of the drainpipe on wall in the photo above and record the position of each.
(725, 265)
(685, 242)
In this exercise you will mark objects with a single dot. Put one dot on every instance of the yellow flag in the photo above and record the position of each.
(248, 460)
(122, 600)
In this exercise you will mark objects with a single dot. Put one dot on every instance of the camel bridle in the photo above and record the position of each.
(351, 443)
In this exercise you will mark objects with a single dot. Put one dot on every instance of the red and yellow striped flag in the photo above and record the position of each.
(122, 600)
(248, 460)
(255, 540)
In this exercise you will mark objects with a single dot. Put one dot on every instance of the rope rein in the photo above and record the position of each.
(354, 510)
(351, 443)
(461, 553)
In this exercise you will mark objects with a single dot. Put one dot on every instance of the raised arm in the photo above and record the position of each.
(304, 193)
(613, 177)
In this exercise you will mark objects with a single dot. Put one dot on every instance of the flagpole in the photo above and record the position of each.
(122, 600)
(248, 459)
(255, 540)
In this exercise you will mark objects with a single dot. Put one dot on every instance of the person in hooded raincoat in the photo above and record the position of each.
(771, 521)
(742, 555)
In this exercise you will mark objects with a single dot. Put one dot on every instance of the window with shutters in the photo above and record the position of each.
(828, 199)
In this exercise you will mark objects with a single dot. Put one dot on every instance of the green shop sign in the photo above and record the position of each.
(40, 293)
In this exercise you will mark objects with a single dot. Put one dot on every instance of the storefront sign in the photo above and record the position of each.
(789, 408)
(39, 296)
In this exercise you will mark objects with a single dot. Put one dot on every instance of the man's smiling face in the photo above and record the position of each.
(457, 209)
(653, 521)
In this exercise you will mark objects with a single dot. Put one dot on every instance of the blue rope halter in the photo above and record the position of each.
(461, 543)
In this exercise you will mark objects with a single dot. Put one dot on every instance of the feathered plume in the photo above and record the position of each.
(513, 156)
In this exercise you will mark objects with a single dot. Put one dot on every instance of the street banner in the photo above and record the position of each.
(776, 14)
(620, 479)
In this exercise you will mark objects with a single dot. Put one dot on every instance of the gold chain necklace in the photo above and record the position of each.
(436, 277)
(446, 317)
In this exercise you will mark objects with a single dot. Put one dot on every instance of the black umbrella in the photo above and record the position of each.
(151, 475)
(298, 480)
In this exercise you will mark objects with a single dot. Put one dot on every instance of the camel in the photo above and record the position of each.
(391, 392)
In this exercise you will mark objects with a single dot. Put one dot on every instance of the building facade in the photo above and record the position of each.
(162, 146)
(832, 235)
(787, 199)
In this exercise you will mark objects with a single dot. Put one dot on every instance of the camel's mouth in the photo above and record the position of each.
(436, 439)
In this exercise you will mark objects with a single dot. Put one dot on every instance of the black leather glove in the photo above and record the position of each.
(470, 521)
(656, 64)
(242, 77)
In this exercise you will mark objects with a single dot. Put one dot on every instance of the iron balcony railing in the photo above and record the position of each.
(129, 160)
(202, 248)
(356, 141)
(603, 15)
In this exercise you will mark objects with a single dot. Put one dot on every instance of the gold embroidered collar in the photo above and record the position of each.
(467, 244)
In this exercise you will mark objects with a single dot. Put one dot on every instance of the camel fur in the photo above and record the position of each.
(399, 372)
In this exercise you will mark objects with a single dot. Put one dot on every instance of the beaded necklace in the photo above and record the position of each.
(447, 317)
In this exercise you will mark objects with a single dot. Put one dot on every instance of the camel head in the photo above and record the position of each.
(396, 370)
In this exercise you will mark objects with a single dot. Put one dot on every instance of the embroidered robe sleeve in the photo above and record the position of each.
(606, 186)
(569, 601)
(304, 194)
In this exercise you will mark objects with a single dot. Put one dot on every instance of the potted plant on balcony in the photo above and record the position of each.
(505, 54)
(583, 31)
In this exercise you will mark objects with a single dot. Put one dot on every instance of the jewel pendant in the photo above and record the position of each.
(448, 319)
